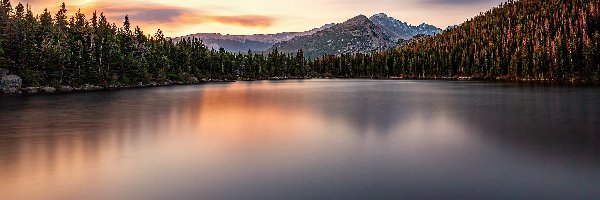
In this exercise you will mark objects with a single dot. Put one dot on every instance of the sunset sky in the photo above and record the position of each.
(182, 17)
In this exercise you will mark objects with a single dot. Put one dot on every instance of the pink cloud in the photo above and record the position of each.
(143, 13)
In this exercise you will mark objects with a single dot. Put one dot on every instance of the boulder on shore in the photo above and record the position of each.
(193, 80)
(49, 89)
(89, 87)
(66, 89)
(11, 90)
(31, 90)
(11, 81)
(11, 84)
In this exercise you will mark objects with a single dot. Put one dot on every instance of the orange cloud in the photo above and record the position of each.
(245, 20)
(144, 13)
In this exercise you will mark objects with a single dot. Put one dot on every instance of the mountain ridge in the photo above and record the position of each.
(357, 35)
(258, 42)
(389, 33)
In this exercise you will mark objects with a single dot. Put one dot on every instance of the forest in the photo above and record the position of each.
(553, 40)
(52, 49)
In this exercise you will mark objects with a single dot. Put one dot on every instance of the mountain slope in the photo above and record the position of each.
(358, 34)
(527, 39)
(233, 45)
(397, 29)
(256, 42)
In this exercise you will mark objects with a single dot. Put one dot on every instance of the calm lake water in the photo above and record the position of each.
(314, 139)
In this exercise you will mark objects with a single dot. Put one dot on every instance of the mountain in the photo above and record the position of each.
(358, 34)
(280, 37)
(397, 29)
(256, 42)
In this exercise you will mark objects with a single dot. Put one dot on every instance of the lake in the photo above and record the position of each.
(305, 139)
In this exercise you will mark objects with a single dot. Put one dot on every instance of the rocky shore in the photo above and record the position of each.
(13, 85)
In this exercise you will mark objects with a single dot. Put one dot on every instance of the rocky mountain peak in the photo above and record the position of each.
(397, 29)
(380, 15)
(357, 20)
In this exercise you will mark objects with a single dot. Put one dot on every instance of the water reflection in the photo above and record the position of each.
(303, 139)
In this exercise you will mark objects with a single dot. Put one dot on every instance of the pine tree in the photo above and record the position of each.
(5, 26)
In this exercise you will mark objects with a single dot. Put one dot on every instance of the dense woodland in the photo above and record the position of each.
(533, 39)
(527, 39)
(52, 49)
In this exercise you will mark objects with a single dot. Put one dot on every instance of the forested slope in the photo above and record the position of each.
(527, 39)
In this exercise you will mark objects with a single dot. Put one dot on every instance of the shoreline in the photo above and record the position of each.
(46, 90)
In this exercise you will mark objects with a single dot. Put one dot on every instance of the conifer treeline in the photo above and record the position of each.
(527, 39)
(52, 49)
(538, 39)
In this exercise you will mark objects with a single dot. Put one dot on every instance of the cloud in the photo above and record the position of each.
(245, 20)
(145, 13)
(150, 14)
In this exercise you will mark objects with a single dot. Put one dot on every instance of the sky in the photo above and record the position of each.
(183, 17)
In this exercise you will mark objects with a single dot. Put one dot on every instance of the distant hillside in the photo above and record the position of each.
(357, 35)
(243, 43)
(236, 45)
